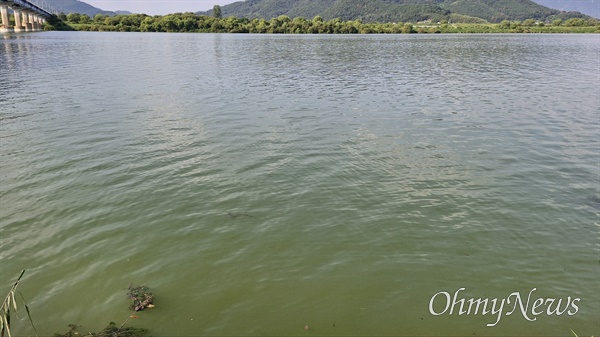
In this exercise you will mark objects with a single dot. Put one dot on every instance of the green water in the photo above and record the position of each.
(260, 184)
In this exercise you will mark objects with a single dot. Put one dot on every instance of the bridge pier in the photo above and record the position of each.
(34, 25)
(26, 24)
(5, 26)
(32, 22)
(18, 26)
(29, 17)
(41, 21)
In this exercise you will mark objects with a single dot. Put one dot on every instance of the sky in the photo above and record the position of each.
(157, 7)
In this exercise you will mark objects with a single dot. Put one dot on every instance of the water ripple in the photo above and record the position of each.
(345, 179)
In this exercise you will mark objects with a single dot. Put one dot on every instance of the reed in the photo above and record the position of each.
(10, 304)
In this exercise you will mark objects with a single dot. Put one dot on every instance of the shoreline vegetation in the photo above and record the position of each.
(140, 296)
(194, 23)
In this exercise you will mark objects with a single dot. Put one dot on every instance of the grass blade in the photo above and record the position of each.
(7, 320)
(30, 320)
(12, 295)
(28, 313)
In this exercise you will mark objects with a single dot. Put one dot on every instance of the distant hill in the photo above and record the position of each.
(75, 6)
(589, 7)
(397, 10)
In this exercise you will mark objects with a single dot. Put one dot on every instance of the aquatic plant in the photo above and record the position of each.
(10, 302)
(142, 299)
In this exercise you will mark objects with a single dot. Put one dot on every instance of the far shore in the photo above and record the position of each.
(192, 23)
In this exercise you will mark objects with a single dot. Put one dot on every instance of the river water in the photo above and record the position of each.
(260, 184)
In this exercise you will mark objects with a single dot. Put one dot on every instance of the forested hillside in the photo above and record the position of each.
(75, 6)
(397, 10)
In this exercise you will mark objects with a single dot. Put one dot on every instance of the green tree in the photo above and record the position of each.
(217, 11)
(188, 25)
(300, 25)
(259, 26)
(283, 19)
(352, 27)
(147, 25)
(216, 27)
(575, 22)
(593, 22)
(557, 22)
(316, 25)
(84, 18)
(167, 23)
(505, 24)
(99, 18)
(407, 28)
(529, 22)
(73, 17)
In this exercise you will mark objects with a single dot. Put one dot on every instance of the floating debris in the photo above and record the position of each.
(141, 298)
(236, 214)
(593, 201)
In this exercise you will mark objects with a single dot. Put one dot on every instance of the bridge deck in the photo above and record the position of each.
(27, 5)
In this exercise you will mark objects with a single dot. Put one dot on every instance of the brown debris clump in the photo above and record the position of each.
(141, 298)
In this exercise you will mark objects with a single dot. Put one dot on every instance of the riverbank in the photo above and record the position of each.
(192, 23)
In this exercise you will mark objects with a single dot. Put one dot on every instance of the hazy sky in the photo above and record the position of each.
(157, 7)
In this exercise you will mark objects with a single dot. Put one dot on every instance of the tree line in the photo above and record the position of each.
(190, 22)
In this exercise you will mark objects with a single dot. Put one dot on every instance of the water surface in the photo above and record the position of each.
(258, 184)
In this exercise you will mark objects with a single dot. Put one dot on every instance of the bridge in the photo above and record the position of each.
(29, 16)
